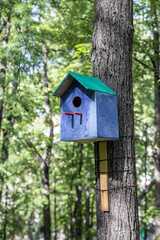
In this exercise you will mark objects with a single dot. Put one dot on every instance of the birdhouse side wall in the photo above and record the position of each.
(107, 116)
(78, 122)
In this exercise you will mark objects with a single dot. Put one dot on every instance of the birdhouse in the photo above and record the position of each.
(89, 111)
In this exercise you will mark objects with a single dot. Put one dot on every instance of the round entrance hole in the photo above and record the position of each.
(76, 102)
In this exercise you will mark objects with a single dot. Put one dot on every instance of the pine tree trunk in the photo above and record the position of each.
(157, 114)
(112, 63)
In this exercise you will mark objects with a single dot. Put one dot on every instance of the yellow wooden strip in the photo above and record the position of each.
(104, 201)
(104, 181)
(103, 166)
(103, 176)
(102, 150)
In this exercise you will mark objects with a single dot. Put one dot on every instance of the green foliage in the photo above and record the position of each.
(151, 213)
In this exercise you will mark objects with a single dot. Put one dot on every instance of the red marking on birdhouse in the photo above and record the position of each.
(68, 113)
(78, 113)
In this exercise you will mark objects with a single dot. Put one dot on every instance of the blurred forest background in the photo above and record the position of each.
(45, 182)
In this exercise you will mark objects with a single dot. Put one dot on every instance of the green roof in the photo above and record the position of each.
(90, 83)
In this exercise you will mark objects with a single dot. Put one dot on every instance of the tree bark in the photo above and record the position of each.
(87, 213)
(78, 213)
(3, 65)
(44, 166)
(78, 207)
(112, 63)
(55, 209)
(157, 113)
(45, 170)
(46, 203)
(30, 226)
(70, 198)
(5, 215)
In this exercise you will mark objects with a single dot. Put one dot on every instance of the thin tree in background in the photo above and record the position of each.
(155, 62)
(44, 163)
(112, 63)
(5, 30)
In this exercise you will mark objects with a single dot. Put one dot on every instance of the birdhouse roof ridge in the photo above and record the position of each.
(90, 83)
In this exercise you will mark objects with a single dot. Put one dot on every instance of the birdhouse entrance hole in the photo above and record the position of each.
(77, 102)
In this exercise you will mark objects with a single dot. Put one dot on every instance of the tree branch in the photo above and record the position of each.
(36, 154)
(143, 51)
(142, 63)
(144, 193)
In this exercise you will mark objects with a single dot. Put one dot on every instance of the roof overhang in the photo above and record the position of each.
(61, 89)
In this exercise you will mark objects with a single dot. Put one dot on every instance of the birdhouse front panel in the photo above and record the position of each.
(78, 113)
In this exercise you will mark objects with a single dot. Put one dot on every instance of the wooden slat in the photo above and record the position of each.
(103, 176)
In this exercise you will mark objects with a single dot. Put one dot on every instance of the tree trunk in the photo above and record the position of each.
(3, 66)
(46, 203)
(55, 209)
(157, 113)
(78, 213)
(45, 170)
(70, 198)
(112, 63)
(145, 206)
(5, 215)
(30, 226)
(87, 203)
(44, 163)
(78, 207)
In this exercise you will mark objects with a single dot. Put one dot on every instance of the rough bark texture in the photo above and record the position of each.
(157, 114)
(112, 63)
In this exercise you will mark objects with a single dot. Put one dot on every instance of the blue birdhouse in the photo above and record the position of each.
(89, 111)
